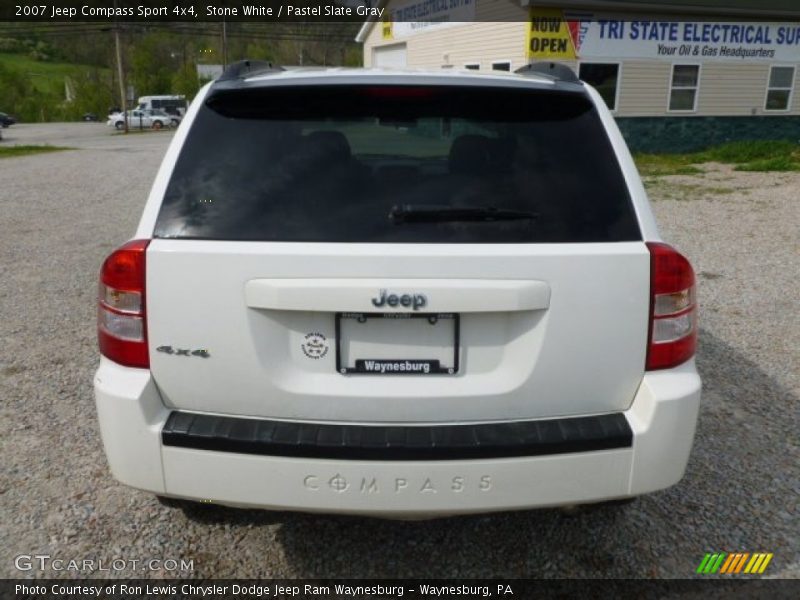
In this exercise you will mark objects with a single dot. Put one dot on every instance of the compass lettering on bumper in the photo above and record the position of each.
(339, 484)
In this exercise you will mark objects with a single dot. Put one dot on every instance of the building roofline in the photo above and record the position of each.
(362, 34)
(717, 8)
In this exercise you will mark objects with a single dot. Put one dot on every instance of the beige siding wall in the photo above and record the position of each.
(726, 89)
(458, 45)
(482, 43)
(644, 88)
(795, 102)
(373, 39)
(732, 89)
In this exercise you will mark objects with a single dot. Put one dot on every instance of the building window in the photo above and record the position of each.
(683, 91)
(501, 66)
(604, 77)
(779, 89)
(472, 66)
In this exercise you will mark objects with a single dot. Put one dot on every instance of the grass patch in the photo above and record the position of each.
(763, 156)
(13, 151)
(683, 192)
(777, 164)
(658, 165)
(746, 152)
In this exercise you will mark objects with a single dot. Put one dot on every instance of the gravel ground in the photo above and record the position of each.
(60, 214)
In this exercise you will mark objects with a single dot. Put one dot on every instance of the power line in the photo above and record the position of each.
(334, 30)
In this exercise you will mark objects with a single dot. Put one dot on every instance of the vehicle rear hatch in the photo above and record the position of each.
(397, 253)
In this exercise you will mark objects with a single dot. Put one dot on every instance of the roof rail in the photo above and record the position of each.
(248, 68)
(553, 70)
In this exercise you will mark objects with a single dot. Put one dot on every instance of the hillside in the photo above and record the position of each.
(36, 90)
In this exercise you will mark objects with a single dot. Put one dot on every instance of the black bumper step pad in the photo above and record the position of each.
(396, 442)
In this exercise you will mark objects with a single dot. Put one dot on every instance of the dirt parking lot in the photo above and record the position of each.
(61, 213)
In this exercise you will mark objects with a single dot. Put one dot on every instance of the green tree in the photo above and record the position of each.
(259, 51)
(94, 93)
(185, 81)
(152, 64)
(18, 96)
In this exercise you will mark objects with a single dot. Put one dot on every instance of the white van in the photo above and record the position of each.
(398, 294)
(172, 105)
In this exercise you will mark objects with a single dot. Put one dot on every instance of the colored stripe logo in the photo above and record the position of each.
(734, 563)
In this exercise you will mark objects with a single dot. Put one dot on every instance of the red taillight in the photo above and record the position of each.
(672, 335)
(121, 317)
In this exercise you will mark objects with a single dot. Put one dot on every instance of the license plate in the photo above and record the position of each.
(397, 344)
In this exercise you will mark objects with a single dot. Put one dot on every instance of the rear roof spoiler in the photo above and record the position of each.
(236, 75)
(247, 75)
(553, 70)
(249, 68)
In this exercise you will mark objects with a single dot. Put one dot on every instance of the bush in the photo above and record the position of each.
(11, 45)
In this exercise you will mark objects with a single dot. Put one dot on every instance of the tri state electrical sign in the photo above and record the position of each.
(553, 33)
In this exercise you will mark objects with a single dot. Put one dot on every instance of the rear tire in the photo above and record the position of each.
(158, 125)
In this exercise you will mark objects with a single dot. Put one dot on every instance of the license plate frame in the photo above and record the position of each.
(435, 366)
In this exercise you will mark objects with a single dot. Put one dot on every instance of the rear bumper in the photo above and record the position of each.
(646, 452)
(396, 442)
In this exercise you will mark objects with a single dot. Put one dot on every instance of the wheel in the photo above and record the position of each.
(175, 122)
(157, 125)
(119, 125)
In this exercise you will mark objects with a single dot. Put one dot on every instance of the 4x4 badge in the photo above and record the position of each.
(183, 351)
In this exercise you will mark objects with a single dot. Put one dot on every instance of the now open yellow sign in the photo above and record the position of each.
(549, 35)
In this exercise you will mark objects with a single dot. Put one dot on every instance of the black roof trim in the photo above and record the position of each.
(249, 68)
(553, 70)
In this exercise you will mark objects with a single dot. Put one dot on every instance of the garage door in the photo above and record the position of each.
(393, 56)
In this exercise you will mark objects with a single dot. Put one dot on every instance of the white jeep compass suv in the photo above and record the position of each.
(403, 294)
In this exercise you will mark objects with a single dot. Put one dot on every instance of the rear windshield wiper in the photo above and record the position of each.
(431, 213)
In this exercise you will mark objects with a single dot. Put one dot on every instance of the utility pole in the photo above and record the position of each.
(224, 39)
(224, 43)
(123, 92)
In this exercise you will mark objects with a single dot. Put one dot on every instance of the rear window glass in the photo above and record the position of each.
(339, 163)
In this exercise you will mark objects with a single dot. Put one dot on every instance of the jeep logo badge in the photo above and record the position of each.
(415, 301)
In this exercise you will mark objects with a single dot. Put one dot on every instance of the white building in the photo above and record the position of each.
(690, 75)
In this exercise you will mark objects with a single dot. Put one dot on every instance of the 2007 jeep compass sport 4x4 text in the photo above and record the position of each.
(400, 294)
